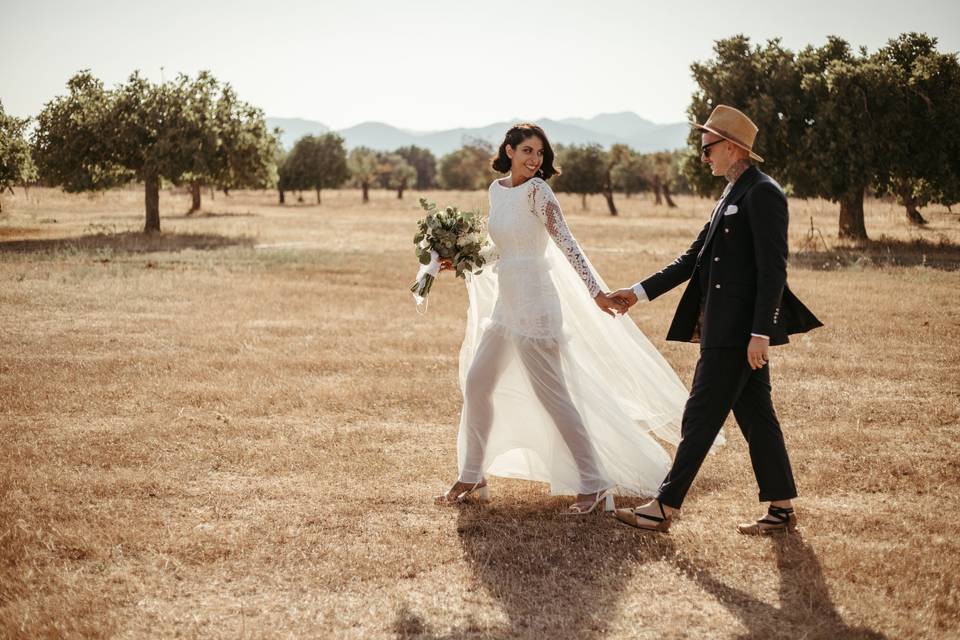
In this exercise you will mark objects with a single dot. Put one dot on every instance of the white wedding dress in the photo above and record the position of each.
(554, 389)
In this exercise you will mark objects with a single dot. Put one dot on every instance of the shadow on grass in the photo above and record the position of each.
(212, 214)
(554, 576)
(882, 253)
(558, 576)
(126, 242)
(806, 609)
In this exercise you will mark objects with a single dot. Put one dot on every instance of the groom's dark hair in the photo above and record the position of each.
(517, 134)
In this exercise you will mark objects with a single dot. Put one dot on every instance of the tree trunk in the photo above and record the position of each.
(151, 188)
(213, 192)
(366, 191)
(226, 191)
(282, 197)
(583, 201)
(195, 196)
(851, 216)
(300, 196)
(913, 215)
(666, 195)
(403, 185)
(610, 205)
(656, 190)
(607, 191)
(318, 197)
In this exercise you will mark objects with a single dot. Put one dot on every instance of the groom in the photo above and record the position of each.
(736, 305)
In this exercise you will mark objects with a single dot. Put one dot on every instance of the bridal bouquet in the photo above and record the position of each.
(446, 234)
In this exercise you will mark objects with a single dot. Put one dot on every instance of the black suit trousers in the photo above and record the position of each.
(723, 381)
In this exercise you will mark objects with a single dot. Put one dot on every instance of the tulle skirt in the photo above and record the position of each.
(557, 391)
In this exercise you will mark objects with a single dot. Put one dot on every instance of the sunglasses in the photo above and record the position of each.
(705, 149)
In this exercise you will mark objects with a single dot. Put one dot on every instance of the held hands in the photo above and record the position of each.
(610, 304)
(446, 264)
(758, 352)
(626, 297)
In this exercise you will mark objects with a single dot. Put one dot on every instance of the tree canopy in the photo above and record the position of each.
(584, 170)
(394, 172)
(16, 163)
(94, 138)
(922, 132)
(230, 145)
(315, 162)
(468, 167)
(425, 164)
(835, 122)
(362, 163)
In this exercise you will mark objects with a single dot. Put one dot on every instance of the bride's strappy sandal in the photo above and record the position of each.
(777, 520)
(645, 521)
(605, 496)
(480, 488)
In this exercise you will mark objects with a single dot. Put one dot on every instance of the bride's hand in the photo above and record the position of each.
(610, 305)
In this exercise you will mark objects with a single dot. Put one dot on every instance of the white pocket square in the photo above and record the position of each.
(730, 210)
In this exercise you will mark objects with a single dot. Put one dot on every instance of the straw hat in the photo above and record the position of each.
(732, 125)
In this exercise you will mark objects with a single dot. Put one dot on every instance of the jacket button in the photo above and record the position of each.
(725, 230)
(717, 286)
(716, 259)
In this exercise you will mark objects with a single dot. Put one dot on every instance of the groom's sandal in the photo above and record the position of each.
(777, 520)
(645, 521)
(454, 496)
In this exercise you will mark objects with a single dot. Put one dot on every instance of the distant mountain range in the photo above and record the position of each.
(605, 129)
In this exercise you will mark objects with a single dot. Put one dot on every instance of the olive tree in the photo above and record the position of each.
(394, 172)
(585, 171)
(920, 162)
(230, 146)
(94, 138)
(16, 164)
(846, 100)
(315, 162)
(630, 172)
(468, 167)
(362, 163)
(424, 162)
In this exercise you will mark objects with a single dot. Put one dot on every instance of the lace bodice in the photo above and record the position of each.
(521, 220)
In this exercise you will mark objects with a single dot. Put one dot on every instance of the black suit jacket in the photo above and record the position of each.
(737, 272)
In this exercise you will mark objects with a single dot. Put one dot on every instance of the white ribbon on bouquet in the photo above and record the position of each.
(432, 269)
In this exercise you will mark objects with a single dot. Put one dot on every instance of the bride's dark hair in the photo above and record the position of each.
(517, 134)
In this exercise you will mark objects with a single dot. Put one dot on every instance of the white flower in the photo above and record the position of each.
(469, 238)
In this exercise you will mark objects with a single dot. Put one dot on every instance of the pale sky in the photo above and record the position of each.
(427, 64)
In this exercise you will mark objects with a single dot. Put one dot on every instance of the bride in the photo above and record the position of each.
(556, 387)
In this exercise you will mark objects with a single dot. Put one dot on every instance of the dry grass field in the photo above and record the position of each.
(235, 430)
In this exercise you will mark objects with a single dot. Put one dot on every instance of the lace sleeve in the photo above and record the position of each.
(544, 204)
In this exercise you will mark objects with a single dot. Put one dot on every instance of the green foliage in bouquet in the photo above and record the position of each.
(454, 234)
